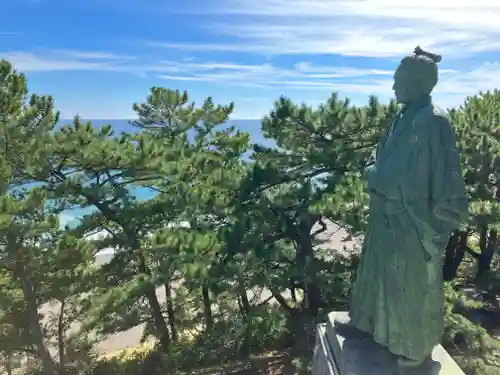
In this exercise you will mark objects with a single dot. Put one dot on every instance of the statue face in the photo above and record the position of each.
(404, 88)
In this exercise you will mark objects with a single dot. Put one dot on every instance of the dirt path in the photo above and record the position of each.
(330, 241)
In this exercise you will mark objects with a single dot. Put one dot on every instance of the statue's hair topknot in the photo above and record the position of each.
(420, 52)
(424, 68)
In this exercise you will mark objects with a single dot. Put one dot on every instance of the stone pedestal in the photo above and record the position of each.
(345, 352)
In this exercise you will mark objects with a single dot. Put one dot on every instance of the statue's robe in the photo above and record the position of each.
(417, 198)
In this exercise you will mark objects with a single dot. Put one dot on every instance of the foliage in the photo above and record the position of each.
(474, 348)
(216, 241)
(477, 127)
(204, 349)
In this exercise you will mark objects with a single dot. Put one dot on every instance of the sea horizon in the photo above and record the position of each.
(251, 126)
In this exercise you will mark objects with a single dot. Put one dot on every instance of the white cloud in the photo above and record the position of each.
(93, 55)
(69, 60)
(483, 77)
(335, 72)
(383, 29)
(307, 76)
(454, 88)
(214, 72)
(268, 75)
(208, 47)
(377, 28)
(455, 84)
(32, 62)
(183, 78)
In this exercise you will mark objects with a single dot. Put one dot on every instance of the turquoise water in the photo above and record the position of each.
(250, 126)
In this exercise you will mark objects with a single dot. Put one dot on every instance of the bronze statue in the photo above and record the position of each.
(417, 198)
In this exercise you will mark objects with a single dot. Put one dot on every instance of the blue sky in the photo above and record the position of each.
(97, 57)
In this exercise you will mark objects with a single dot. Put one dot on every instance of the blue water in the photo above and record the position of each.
(252, 127)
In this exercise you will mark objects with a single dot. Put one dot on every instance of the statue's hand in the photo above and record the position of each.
(434, 258)
(375, 193)
(436, 246)
(368, 173)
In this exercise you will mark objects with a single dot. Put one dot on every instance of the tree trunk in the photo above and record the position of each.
(171, 311)
(135, 245)
(281, 300)
(8, 364)
(161, 327)
(207, 307)
(155, 307)
(245, 307)
(304, 259)
(245, 303)
(160, 324)
(293, 289)
(487, 244)
(452, 257)
(60, 334)
(50, 367)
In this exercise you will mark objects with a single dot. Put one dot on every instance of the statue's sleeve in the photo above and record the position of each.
(448, 196)
(370, 168)
(443, 207)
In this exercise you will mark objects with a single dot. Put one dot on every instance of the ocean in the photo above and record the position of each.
(252, 127)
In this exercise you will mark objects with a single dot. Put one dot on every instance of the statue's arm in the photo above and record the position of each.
(448, 197)
(444, 205)
(370, 167)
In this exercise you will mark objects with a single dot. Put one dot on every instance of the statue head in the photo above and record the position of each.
(416, 76)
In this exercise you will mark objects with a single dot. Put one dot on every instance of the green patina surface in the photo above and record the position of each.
(417, 198)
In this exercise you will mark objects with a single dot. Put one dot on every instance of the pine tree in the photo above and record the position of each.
(476, 125)
(478, 135)
(35, 263)
(314, 172)
(203, 176)
(100, 171)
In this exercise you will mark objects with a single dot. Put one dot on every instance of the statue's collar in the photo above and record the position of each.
(418, 103)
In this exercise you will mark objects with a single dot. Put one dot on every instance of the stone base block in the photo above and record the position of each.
(346, 352)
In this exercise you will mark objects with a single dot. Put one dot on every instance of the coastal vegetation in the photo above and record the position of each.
(230, 232)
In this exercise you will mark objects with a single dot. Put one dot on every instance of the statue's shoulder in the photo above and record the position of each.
(431, 116)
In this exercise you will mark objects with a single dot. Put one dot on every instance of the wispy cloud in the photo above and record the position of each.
(70, 60)
(303, 75)
(56, 61)
(335, 72)
(183, 78)
(375, 28)
(10, 33)
(94, 55)
(308, 76)
(381, 29)
(453, 88)
(207, 47)
(186, 69)
(30, 62)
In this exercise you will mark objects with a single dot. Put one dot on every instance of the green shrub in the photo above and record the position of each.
(231, 339)
(470, 344)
